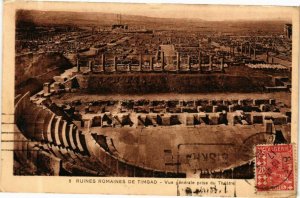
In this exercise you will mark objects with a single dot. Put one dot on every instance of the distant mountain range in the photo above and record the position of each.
(88, 18)
(33, 17)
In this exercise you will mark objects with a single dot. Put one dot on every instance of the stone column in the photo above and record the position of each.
(151, 63)
(163, 61)
(189, 62)
(249, 52)
(140, 62)
(222, 64)
(103, 62)
(90, 66)
(210, 62)
(129, 67)
(178, 61)
(115, 63)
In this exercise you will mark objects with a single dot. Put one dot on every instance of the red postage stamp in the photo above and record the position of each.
(274, 167)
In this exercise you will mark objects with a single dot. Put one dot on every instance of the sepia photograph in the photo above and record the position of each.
(155, 91)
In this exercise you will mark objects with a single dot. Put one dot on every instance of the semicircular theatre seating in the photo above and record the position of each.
(41, 124)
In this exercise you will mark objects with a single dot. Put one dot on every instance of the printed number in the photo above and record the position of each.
(261, 170)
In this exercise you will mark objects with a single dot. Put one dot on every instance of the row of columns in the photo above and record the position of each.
(246, 49)
(151, 61)
(91, 65)
(188, 62)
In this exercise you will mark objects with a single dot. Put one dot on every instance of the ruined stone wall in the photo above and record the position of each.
(178, 83)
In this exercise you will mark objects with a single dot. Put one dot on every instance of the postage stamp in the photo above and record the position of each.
(274, 167)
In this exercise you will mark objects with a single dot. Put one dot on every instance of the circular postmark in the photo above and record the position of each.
(246, 149)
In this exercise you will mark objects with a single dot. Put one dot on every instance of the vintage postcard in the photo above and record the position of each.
(150, 99)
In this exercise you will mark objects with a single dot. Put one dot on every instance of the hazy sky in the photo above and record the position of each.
(206, 12)
(197, 11)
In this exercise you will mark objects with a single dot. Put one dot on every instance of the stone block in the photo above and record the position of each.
(279, 119)
(269, 126)
(165, 120)
(189, 120)
(256, 118)
(213, 118)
